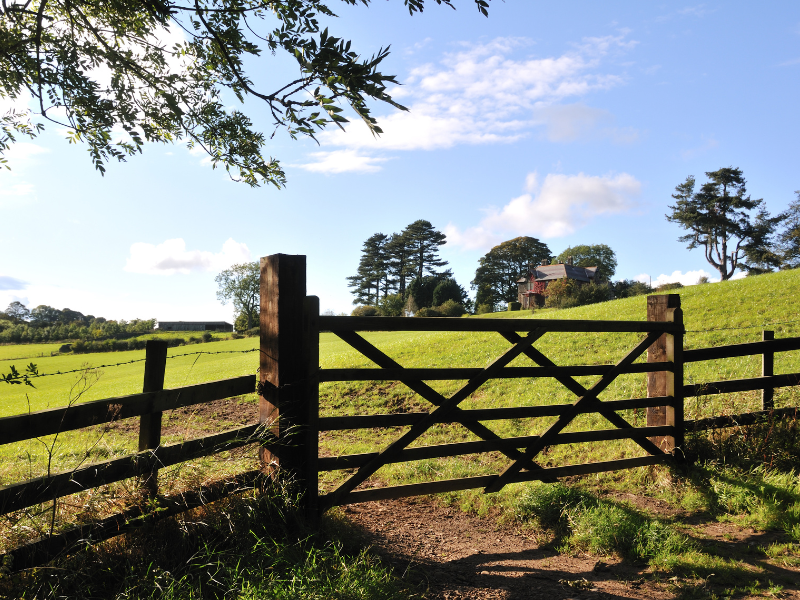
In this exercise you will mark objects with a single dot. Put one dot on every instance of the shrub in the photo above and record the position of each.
(392, 305)
(236, 335)
(254, 332)
(566, 293)
(512, 306)
(365, 311)
(428, 312)
(665, 287)
(207, 336)
(451, 308)
(483, 309)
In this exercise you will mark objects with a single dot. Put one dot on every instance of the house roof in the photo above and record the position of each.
(560, 271)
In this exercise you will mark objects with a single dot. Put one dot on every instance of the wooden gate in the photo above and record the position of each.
(290, 379)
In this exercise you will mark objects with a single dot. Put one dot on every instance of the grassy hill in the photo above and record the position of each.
(714, 314)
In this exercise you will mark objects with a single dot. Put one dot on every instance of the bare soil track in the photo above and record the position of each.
(455, 555)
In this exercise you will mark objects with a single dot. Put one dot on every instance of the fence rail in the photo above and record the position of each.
(290, 424)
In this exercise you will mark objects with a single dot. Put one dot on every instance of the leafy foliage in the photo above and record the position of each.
(241, 284)
(498, 270)
(734, 230)
(97, 67)
(626, 288)
(592, 255)
(15, 377)
(567, 293)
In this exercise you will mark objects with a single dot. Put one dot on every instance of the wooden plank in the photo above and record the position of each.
(422, 426)
(310, 477)
(54, 420)
(43, 489)
(443, 374)
(675, 443)
(349, 461)
(423, 389)
(466, 483)
(768, 370)
(589, 398)
(155, 366)
(345, 324)
(741, 385)
(762, 416)
(464, 416)
(577, 389)
(749, 349)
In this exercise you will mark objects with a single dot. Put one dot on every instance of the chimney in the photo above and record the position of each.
(569, 261)
(545, 262)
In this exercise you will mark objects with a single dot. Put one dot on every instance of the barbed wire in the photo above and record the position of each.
(137, 360)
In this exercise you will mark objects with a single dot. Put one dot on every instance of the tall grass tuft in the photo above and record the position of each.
(255, 545)
(584, 522)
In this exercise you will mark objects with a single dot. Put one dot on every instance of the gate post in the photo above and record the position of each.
(155, 366)
(658, 308)
(288, 389)
(674, 413)
(767, 370)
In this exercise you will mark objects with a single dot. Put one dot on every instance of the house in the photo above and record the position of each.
(531, 287)
(194, 326)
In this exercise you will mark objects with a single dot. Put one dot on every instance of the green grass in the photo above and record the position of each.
(714, 314)
(251, 546)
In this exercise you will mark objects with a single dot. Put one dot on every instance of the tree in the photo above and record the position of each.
(730, 226)
(96, 67)
(592, 255)
(500, 268)
(398, 251)
(241, 284)
(372, 277)
(789, 238)
(448, 289)
(18, 312)
(423, 245)
(44, 315)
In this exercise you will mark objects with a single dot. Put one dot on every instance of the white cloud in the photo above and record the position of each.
(172, 257)
(484, 94)
(572, 122)
(342, 161)
(688, 278)
(15, 186)
(555, 207)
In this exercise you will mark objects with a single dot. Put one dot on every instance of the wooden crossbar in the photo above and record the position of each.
(589, 397)
(444, 408)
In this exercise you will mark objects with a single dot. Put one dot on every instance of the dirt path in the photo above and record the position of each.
(456, 555)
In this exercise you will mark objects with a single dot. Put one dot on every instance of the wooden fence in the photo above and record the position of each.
(289, 423)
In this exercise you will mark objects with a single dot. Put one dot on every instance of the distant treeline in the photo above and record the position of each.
(48, 324)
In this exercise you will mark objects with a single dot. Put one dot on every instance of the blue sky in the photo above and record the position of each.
(570, 122)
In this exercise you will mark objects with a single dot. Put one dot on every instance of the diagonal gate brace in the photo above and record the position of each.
(589, 397)
(443, 409)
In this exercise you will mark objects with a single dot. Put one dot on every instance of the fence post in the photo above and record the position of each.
(674, 412)
(155, 366)
(287, 390)
(767, 370)
(657, 309)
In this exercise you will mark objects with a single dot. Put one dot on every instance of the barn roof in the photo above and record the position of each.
(560, 271)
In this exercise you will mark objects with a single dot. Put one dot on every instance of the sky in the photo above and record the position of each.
(571, 122)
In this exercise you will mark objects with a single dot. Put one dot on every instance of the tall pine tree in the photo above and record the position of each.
(372, 281)
(423, 242)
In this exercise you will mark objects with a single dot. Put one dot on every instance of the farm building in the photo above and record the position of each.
(531, 287)
(194, 326)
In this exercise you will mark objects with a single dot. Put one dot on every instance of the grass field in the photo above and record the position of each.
(714, 314)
